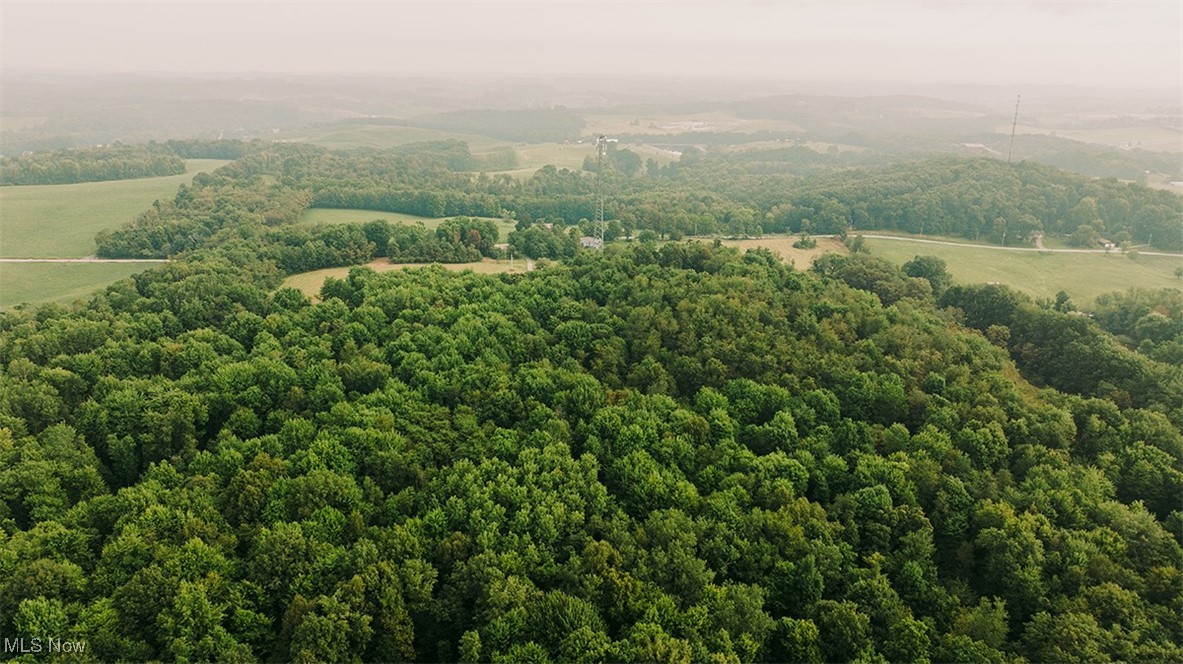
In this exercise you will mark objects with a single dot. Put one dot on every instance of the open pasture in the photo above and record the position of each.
(783, 245)
(533, 156)
(61, 220)
(1082, 276)
(36, 283)
(1136, 136)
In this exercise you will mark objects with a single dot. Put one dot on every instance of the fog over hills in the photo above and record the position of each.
(1093, 44)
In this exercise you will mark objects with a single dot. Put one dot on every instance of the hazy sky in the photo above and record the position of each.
(1109, 44)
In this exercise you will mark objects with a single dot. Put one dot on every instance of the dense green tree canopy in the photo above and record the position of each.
(679, 454)
(117, 162)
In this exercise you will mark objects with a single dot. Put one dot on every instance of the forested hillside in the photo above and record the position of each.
(638, 456)
(528, 125)
(739, 194)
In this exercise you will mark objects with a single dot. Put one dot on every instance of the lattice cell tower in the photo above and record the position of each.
(601, 148)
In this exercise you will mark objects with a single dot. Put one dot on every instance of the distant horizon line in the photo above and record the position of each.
(1176, 89)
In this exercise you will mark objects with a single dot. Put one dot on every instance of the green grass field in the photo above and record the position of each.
(310, 283)
(313, 216)
(533, 156)
(1041, 275)
(1082, 276)
(61, 220)
(36, 283)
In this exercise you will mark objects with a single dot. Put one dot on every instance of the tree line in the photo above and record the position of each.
(115, 162)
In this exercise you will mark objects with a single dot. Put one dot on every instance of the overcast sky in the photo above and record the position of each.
(1106, 44)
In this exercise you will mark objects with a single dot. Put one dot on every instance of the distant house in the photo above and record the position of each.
(1106, 243)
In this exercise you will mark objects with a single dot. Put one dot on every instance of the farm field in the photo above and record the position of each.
(61, 220)
(1082, 276)
(309, 283)
(37, 283)
(1146, 137)
(313, 216)
(800, 258)
(533, 156)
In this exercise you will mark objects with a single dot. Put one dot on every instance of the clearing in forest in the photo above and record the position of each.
(310, 283)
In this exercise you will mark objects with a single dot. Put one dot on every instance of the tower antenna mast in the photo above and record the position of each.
(601, 147)
(1014, 125)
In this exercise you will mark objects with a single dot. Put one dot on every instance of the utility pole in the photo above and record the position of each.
(1014, 125)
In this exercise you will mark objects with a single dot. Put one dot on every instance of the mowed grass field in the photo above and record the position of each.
(36, 283)
(534, 156)
(1041, 275)
(310, 283)
(61, 220)
(313, 216)
(1082, 276)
